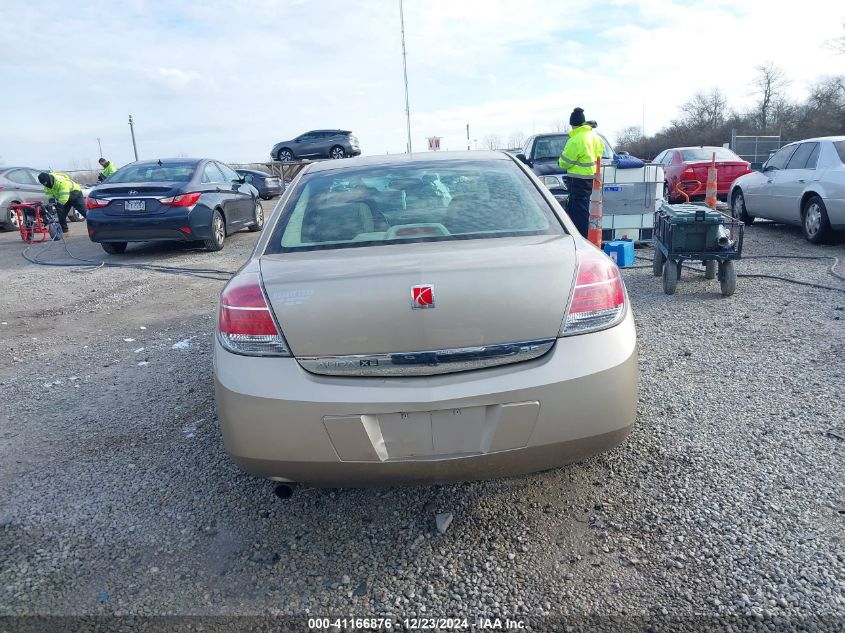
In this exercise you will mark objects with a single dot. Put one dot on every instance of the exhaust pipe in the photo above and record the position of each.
(283, 491)
(724, 240)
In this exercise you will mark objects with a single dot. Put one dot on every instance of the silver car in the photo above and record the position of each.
(17, 184)
(802, 184)
(422, 318)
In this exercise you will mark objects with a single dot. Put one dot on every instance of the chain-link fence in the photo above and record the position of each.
(755, 149)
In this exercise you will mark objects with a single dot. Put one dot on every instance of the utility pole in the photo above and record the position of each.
(132, 129)
(405, 71)
(468, 147)
(100, 145)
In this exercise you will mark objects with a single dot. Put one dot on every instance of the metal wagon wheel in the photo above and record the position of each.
(671, 274)
(727, 278)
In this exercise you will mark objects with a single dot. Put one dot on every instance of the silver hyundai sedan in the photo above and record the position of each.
(422, 318)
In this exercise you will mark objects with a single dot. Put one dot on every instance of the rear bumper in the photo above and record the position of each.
(177, 224)
(836, 212)
(280, 421)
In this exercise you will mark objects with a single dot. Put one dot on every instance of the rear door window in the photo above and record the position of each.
(395, 204)
(801, 156)
(839, 146)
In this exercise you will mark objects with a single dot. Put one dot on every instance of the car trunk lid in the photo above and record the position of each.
(358, 301)
(726, 172)
(126, 198)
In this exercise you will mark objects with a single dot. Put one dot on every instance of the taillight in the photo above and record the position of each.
(598, 300)
(96, 203)
(184, 200)
(245, 324)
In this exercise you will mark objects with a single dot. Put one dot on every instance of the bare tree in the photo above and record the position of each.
(492, 141)
(629, 137)
(516, 139)
(838, 43)
(770, 83)
(559, 125)
(706, 110)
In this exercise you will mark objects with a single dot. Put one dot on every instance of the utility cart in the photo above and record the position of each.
(696, 232)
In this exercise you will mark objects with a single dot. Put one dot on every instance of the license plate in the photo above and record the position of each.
(135, 205)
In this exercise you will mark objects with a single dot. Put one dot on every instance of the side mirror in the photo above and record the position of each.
(521, 157)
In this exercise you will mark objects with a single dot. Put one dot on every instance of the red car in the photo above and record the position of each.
(689, 164)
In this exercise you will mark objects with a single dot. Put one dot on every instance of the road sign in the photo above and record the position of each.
(433, 143)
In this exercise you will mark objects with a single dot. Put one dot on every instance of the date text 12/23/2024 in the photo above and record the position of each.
(415, 624)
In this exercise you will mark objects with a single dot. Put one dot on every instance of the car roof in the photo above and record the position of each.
(400, 159)
(171, 160)
(832, 139)
(699, 147)
(11, 167)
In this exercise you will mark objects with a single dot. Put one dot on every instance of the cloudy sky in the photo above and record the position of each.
(228, 78)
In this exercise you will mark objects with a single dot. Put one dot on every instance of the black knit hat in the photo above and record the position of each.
(45, 179)
(577, 117)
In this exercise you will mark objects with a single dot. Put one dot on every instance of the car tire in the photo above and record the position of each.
(218, 233)
(337, 152)
(710, 269)
(285, 155)
(814, 220)
(738, 209)
(727, 278)
(114, 248)
(75, 216)
(657, 262)
(258, 215)
(10, 221)
(671, 274)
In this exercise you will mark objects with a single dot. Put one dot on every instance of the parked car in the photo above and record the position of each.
(267, 185)
(688, 166)
(177, 199)
(16, 185)
(317, 144)
(803, 184)
(541, 153)
(422, 318)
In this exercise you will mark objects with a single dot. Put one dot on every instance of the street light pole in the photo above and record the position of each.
(100, 145)
(468, 147)
(405, 72)
(132, 129)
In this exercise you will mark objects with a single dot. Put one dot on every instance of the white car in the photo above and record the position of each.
(802, 184)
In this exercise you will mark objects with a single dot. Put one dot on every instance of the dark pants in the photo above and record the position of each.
(578, 205)
(75, 201)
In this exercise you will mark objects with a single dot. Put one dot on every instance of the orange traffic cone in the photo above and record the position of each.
(594, 230)
(712, 178)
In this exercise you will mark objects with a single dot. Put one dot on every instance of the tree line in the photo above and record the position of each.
(707, 118)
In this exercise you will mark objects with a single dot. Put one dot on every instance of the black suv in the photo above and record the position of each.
(317, 144)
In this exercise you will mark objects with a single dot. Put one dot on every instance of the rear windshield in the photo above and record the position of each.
(436, 201)
(546, 147)
(155, 172)
(840, 149)
(706, 153)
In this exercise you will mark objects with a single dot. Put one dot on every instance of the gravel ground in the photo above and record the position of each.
(727, 500)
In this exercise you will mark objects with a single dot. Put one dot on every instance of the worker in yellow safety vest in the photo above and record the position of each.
(68, 194)
(579, 160)
(108, 169)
